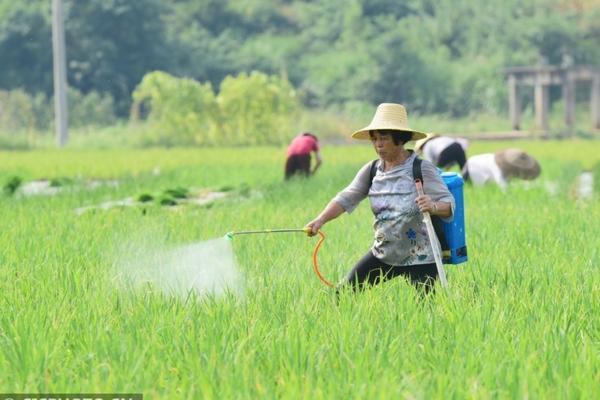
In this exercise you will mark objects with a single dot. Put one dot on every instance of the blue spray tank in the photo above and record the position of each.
(455, 229)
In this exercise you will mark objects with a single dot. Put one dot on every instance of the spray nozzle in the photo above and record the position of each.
(229, 235)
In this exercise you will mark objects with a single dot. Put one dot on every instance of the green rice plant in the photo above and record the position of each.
(12, 184)
(61, 181)
(167, 200)
(596, 171)
(177, 193)
(519, 318)
(145, 198)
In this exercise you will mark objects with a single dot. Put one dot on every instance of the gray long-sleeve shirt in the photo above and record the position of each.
(400, 233)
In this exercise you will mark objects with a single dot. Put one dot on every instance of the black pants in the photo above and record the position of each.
(297, 164)
(452, 154)
(370, 271)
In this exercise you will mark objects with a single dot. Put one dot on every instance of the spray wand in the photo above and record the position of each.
(307, 230)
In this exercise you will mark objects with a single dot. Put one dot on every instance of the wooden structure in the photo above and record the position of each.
(541, 78)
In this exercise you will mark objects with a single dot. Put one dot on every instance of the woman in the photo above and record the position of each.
(401, 246)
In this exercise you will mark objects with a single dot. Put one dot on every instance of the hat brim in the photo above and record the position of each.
(421, 142)
(529, 170)
(363, 134)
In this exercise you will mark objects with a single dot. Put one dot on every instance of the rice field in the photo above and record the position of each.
(519, 320)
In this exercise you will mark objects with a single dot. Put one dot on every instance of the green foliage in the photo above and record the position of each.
(256, 109)
(519, 320)
(21, 112)
(16, 112)
(443, 56)
(61, 181)
(177, 193)
(25, 45)
(91, 109)
(145, 198)
(181, 110)
(596, 171)
(250, 109)
(226, 188)
(14, 143)
(111, 45)
(12, 184)
(107, 45)
(167, 201)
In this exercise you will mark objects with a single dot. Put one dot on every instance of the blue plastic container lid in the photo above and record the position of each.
(452, 179)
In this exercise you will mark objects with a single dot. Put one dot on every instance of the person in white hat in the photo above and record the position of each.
(500, 167)
(401, 245)
(443, 151)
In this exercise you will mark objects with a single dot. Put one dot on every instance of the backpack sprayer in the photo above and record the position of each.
(230, 236)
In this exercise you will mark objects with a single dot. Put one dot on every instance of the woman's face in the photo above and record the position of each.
(384, 145)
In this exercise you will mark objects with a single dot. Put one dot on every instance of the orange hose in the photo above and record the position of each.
(316, 264)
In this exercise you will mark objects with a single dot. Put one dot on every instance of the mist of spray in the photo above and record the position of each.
(202, 268)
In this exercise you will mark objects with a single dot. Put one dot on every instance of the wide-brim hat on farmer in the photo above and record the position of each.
(389, 116)
(421, 142)
(515, 162)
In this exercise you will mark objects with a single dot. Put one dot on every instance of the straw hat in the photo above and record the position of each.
(389, 116)
(420, 143)
(517, 163)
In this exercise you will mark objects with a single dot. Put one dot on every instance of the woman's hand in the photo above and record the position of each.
(425, 204)
(439, 208)
(331, 211)
(314, 226)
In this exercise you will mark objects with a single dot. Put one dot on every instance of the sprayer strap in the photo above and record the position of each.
(416, 169)
(372, 171)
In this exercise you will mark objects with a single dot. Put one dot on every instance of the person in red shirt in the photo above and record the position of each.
(298, 156)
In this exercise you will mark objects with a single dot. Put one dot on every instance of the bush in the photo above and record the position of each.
(181, 111)
(23, 113)
(257, 109)
(250, 109)
(17, 112)
(91, 109)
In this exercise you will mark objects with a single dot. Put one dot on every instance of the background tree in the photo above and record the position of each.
(112, 44)
(181, 111)
(25, 45)
(443, 56)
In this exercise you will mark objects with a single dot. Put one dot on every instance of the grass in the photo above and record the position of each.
(330, 125)
(520, 318)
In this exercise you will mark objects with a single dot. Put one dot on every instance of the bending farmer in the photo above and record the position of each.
(298, 155)
(500, 167)
(401, 246)
(443, 151)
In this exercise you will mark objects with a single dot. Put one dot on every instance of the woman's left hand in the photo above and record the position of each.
(425, 204)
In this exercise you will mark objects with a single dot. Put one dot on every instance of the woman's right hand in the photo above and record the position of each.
(331, 211)
(313, 226)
